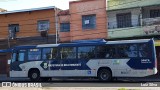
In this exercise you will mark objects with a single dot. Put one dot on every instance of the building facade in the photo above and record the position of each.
(25, 27)
(131, 19)
(2, 10)
(85, 19)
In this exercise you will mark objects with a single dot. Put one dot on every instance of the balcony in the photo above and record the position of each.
(132, 31)
(125, 32)
(151, 26)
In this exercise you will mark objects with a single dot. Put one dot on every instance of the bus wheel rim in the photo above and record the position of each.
(34, 75)
(104, 76)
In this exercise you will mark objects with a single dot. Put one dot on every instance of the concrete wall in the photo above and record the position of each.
(124, 4)
(150, 26)
(125, 32)
(112, 20)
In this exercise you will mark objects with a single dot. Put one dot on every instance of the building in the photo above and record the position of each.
(2, 10)
(133, 19)
(85, 19)
(26, 27)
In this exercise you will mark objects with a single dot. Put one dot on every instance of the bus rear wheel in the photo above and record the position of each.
(34, 75)
(105, 75)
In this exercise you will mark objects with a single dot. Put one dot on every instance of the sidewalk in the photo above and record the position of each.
(4, 78)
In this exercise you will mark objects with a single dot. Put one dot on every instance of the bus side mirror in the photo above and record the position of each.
(9, 61)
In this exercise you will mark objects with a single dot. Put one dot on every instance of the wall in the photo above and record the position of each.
(27, 22)
(64, 36)
(122, 4)
(149, 26)
(125, 32)
(28, 33)
(87, 7)
(112, 20)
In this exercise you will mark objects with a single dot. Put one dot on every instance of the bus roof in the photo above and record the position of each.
(87, 43)
(129, 41)
(95, 43)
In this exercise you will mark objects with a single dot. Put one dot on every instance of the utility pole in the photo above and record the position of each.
(56, 24)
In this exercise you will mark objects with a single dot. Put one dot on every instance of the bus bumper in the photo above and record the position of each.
(18, 74)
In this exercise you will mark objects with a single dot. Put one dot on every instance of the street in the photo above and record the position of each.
(68, 82)
(85, 84)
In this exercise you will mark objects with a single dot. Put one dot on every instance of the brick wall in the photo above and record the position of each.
(86, 7)
(27, 22)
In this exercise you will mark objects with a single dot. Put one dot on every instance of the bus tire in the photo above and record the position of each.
(34, 75)
(105, 75)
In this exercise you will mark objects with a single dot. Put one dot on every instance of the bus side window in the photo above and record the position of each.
(18, 57)
(127, 50)
(68, 53)
(21, 56)
(107, 51)
(34, 54)
(49, 53)
(14, 57)
(86, 52)
(54, 53)
(121, 51)
(46, 53)
(144, 50)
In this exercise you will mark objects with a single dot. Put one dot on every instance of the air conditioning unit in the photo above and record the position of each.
(44, 33)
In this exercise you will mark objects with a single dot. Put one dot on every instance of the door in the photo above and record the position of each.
(17, 59)
(3, 64)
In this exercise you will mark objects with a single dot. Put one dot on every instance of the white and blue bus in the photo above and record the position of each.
(102, 59)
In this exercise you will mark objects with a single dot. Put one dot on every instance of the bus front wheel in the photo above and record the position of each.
(104, 75)
(34, 75)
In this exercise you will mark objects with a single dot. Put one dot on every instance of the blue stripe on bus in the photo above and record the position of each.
(138, 63)
(66, 65)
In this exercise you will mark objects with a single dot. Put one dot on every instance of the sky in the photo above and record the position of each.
(11, 5)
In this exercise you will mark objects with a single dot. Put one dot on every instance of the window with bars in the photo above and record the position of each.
(14, 27)
(89, 21)
(124, 20)
(64, 27)
(43, 25)
(154, 13)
